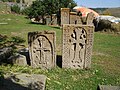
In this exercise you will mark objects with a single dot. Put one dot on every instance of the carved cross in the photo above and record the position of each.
(42, 49)
(78, 40)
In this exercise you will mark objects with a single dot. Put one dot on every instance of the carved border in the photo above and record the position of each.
(88, 52)
(33, 35)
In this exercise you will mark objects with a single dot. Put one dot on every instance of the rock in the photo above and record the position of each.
(24, 82)
(25, 52)
(17, 59)
(106, 87)
(5, 53)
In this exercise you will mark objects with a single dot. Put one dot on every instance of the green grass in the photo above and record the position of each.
(20, 26)
(105, 59)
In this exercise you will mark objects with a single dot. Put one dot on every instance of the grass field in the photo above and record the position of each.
(105, 68)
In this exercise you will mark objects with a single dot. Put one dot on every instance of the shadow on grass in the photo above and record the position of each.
(59, 61)
(56, 27)
(36, 23)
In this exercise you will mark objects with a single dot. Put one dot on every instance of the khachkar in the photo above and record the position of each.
(65, 16)
(77, 46)
(42, 49)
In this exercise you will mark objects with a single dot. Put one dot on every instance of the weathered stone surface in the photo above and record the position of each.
(54, 19)
(89, 19)
(79, 19)
(23, 82)
(68, 17)
(65, 14)
(18, 59)
(25, 52)
(5, 53)
(73, 19)
(42, 49)
(48, 20)
(106, 87)
(77, 46)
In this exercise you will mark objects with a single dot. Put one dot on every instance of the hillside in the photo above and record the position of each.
(111, 11)
(114, 11)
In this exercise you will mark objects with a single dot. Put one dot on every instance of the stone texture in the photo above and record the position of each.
(19, 81)
(89, 19)
(65, 14)
(42, 49)
(79, 19)
(106, 87)
(18, 59)
(5, 53)
(25, 52)
(77, 46)
(73, 19)
(48, 20)
(54, 19)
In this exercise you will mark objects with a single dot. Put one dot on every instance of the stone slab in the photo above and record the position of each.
(79, 19)
(73, 19)
(77, 46)
(48, 20)
(65, 15)
(42, 49)
(18, 59)
(106, 87)
(89, 19)
(54, 19)
(19, 81)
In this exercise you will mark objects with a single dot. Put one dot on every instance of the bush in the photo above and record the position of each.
(12, 41)
(26, 11)
(15, 8)
(3, 38)
(17, 39)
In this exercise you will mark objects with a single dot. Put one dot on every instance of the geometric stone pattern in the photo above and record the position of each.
(42, 49)
(77, 46)
(65, 14)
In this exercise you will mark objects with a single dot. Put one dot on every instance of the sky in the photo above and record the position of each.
(98, 3)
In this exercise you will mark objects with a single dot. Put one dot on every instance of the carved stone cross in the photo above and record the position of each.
(77, 46)
(78, 40)
(42, 49)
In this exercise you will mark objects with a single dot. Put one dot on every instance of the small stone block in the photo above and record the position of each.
(106, 87)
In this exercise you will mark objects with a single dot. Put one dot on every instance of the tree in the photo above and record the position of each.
(67, 4)
(49, 7)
